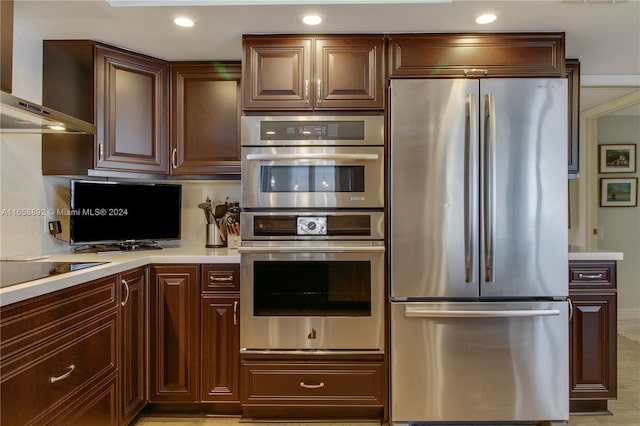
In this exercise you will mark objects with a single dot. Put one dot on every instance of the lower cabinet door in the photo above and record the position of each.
(593, 347)
(220, 349)
(174, 313)
(133, 383)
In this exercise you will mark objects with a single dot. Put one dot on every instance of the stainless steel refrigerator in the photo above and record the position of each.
(478, 250)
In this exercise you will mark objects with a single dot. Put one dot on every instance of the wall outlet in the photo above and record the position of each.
(55, 227)
(599, 233)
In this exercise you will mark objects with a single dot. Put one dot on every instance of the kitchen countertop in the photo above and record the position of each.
(581, 253)
(117, 262)
(120, 262)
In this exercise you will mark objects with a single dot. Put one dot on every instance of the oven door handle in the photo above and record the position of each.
(328, 156)
(311, 249)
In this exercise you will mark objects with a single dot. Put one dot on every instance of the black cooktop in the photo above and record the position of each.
(17, 272)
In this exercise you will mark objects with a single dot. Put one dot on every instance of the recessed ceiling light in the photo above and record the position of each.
(486, 18)
(183, 21)
(312, 19)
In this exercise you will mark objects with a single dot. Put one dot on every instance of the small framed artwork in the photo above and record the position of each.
(622, 192)
(617, 158)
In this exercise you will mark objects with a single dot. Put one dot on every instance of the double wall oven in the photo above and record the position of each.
(312, 251)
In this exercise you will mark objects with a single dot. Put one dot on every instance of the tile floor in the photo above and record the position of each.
(626, 409)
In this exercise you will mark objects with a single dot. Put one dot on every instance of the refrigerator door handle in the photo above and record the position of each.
(489, 171)
(470, 141)
(414, 312)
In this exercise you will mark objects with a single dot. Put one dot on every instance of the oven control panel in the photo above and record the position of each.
(312, 225)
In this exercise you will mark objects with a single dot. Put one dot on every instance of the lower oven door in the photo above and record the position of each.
(321, 298)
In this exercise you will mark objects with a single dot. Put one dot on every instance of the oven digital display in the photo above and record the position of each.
(312, 130)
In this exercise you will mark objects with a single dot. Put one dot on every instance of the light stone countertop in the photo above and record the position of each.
(117, 262)
(120, 262)
(580, 253)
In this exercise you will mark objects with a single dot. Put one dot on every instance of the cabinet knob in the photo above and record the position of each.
(174, 158)
(306, 91)
(319, 100)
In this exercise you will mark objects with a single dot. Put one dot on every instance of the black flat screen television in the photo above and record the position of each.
(123, 213)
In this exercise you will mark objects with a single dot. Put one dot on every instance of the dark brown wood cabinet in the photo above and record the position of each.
(313, 386)
(572, 68)
(125, 94)
(593, 341)
(6, 45)
(338, 72)
(133, 351)
(195, 337)
(205, 114)
(220, 344)
(59, 357)
(174, 333)
(479, 54)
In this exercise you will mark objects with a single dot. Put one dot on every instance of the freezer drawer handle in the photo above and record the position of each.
(518, 313)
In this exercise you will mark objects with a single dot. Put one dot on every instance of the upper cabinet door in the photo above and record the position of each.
(205, 114)
(132, 112)
(476, 55)
(277, 73)
(349, 73)
(293, 73)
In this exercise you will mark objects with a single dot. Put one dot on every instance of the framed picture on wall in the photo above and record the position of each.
(622, 192)
(619, 158)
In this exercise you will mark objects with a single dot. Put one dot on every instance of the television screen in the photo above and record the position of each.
(104, 212)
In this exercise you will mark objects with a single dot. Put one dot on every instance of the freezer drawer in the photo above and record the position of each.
(479, 361)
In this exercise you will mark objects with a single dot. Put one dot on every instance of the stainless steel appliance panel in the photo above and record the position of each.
(312, 130)
(478, 188)
(434, 197)
(313, 177)
(524, 186)
(307, 326)
(485, 361)
(284, 225)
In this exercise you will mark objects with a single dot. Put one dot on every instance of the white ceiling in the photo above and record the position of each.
(604, 35)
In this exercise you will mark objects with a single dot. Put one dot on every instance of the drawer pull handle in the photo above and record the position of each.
(64, 376)
(314, 386)
(591, 276)
(221, 279)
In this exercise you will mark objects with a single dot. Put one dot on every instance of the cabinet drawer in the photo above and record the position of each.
(27, 324)
(221, 278)
(42, 379)
(585, 275)
(318, 384)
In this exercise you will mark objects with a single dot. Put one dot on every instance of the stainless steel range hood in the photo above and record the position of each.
(20, 116)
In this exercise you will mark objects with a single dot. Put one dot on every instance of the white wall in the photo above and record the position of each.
(25, 193)
(621, 225)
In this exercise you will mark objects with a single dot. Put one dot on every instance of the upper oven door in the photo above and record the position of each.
(316, 177)
(314, 130)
